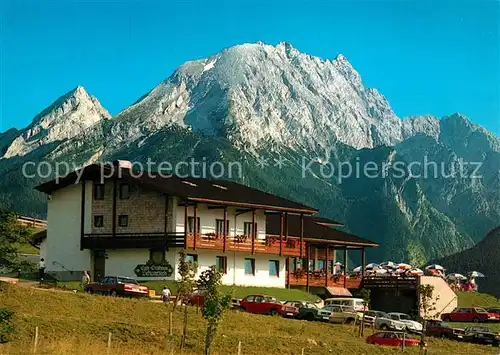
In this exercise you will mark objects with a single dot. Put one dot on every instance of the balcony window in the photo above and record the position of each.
(157, 257)
(249, 266)
(191, 225)
(274, 268)
(320, 264)
(123, 220)
(247, 228)
(98, 221)
(98, 191)
(219, 226)
(124, 191)
(293, 263)
(221, 264)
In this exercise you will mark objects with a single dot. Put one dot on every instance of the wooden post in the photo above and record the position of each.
(184, 328)
(306, 268)
(345, 267)
(109, 344)
(288, 272)
(185, 225)
(281, 233)
(302, 351)
(239, 348)
(363, 263)
(326, 267)
(253, 231)
(225, 230)
(195, 223)
(403, 344)
(170, 324)
(35, 343)
(301, 235)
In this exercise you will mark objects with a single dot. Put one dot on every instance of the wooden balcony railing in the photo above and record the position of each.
(321, 279)
(243, 243)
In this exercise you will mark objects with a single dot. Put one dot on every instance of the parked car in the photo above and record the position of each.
(391, 339)
(438, 328)
(479, 335)
(384, 322)
(356, 303)
(196, 298)
(267, 305)
(342, 314)
(410, 324)
(493, 310)
(117, 285)
(475, 314)
(309, 311)
(370, 316)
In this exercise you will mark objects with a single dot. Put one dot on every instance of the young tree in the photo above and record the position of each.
(214, 305)
(11, 235)
(187, 283)
(427, 307)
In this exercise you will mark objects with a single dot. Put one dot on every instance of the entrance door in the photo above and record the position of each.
(99, 265)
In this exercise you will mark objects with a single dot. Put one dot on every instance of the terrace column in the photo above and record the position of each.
(345, 267)
(113, 225)
(301, 235)
(225, 231)
(195, 223)
(306, 268)
(363, 263)
(326, 266)
(281, 231)
(185, 225)
(254, 231)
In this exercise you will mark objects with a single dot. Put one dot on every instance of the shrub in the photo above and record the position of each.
(6, 326)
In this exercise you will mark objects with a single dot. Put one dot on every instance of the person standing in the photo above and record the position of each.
(85, 279)
(165, 295)
(41, 269)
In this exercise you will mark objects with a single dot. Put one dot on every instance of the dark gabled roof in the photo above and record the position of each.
(192, 189)
(313, 230)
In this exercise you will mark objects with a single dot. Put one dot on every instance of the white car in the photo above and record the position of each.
(411, 325)
(342, 314)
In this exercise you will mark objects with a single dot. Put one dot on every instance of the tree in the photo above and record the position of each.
(11, 235)
(214, 305)
(427, 306)
(186, 284)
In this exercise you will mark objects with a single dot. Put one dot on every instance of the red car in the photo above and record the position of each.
(391, 339)
(267, 305)
(116, 285)
(475, 315)
(438, 329)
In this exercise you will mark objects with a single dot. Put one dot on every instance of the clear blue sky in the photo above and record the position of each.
(431, 57)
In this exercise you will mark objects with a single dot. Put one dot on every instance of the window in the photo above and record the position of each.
(249, 266)
(191, 224)
(192, 258)
(320, 265)
(157, 257)
(250, 298)
(123, 220)
(219, 226)
(221, 264)
(124, 191)
(293, 263)
(98, 221)
(274, 268)
(247, 228)
(98, 191)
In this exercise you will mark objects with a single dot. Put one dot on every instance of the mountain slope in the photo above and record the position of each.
(483, 257)
(254, 102)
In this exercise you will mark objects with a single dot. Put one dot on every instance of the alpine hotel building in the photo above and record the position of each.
(135, 226)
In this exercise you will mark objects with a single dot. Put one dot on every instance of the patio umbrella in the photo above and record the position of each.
(381, 271)
(357, 269)
(372, 266)
(434, 267)
(404, 266)
(416, 271)
(476, 274)
(388, 264)
(339, 264)
(456, 276)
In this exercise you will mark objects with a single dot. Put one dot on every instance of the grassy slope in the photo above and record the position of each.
(80, 323)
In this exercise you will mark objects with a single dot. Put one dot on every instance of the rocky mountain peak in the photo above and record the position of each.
(66, 117)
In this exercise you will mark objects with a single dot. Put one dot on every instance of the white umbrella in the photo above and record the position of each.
(456, 276)
(388, 264)
(416, 271)
(357, 269)
(435, 267)
(404, 266)
(337, 263)
(476, 274)
(372, 266)
(381, 271)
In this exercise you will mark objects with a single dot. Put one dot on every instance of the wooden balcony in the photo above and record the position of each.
(320, 279)
(267, 245)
